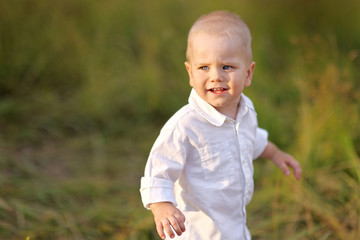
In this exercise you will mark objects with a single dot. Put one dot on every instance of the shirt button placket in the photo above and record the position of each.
(243, 164)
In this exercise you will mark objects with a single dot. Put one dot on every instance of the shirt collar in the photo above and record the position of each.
(211, 114)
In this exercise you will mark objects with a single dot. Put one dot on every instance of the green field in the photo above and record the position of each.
(85, 87)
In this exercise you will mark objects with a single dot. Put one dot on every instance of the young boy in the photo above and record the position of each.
(200, 167)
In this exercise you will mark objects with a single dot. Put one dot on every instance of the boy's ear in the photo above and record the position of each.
(250, 73)
(188, 69)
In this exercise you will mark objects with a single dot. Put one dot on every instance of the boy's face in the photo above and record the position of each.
(219, 70)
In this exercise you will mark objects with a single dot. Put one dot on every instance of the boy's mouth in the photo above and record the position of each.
(218, 90)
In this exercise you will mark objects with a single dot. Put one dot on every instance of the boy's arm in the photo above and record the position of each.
(164, 166)
(282, 160)
(166, 215)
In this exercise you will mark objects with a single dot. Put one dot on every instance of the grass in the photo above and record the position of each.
(325, 204)
(82, 89)
(90, 191)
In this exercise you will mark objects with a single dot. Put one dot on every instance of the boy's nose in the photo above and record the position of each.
(216, 75)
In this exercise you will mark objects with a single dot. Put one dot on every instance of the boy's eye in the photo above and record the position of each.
(204, 68)
(226, 67)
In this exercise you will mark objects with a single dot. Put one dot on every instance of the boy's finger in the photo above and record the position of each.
(167, 227)
(285, 169)
(298, 172)
(297, 169)
(182, 225)
(175, 225)
(160, 230)
(181, 220)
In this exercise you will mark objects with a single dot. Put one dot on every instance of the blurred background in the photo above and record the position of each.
(85, 87)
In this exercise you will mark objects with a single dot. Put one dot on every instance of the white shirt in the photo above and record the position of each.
(202, 163)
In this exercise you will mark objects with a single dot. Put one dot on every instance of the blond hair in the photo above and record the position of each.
(223, 24)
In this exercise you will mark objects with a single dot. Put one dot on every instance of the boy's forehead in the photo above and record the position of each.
(202, 47)
(205, 36)
(215, 29)
(200, 39)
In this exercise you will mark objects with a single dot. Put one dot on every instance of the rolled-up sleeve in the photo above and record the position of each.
(261, 141)
(164, 166)
(156, 190)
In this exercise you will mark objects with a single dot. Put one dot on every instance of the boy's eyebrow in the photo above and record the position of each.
(201, 63)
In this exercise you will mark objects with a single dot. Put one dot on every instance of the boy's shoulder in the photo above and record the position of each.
(179, 119)
(247, 101)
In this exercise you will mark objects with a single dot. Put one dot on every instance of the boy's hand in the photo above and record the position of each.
(282, 160)
(166, 215)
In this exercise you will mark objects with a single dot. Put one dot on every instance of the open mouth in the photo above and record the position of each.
(218, 90)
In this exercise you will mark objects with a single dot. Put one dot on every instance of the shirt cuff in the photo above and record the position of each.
(156, 190)
(261, 142)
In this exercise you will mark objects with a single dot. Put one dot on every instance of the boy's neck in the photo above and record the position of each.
(229, 112)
